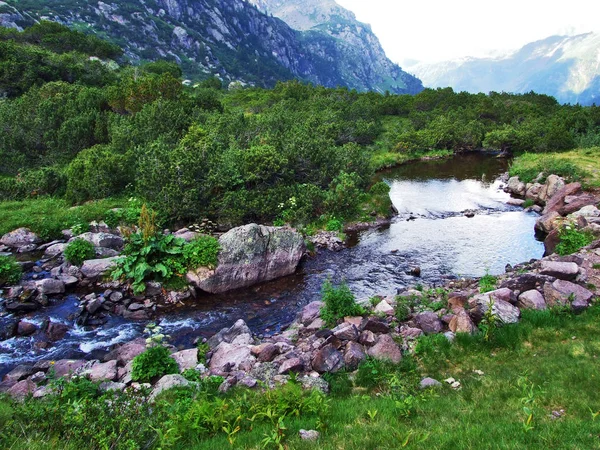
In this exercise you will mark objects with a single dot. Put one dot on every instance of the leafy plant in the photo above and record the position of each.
(78, 251)
(203, 349)
(571, 240)
(487, 283)
(489, 322)
(528, 203)
(201, 252)
(153, 363)
(338, 303)
(10, 270)
(334, 224)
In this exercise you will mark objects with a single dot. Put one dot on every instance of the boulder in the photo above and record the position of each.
(26, 328)
(22, 389)
(586, 212)
(551, 241)
(95, 268)
(562, 292)
(429, 322)
(427, 383)
(562, 270)
(548, 222)
(462, 323)
(502, 309)
(553, 184)
(533, 191)
(19, 238)
(368, 338)
(268, 352)
(168, 382)
(526, 282)
(8, 329)
(386, 349)
(291, 365)
(411, 333)
(383, 307)
(55, 250)
(531, 300)
(328, 359)
(105, 240)
(345, 331)
(375, 325)
(186, 359)
(516, 186)
(575, 203)
(229, 357)
(238, 332)
(67, 367)
(354, 354)
(310, 312)
(20, 372)
(249, 255)
(56, 330)
(50, 286)
(558, 199)
(103, 371)
(126, 352)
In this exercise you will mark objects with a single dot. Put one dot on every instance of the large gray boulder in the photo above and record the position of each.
(502, 309)
(386, 349)
(249, 255)
(21, 237)
(105, 240)
(95, 268)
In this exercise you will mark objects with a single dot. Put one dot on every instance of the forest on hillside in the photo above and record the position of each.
(78, 125)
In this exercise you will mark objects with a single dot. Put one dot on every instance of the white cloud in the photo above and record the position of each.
(435, 30)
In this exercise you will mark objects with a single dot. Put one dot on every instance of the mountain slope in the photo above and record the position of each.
(362, 59)
(228, 38)
(566, 67)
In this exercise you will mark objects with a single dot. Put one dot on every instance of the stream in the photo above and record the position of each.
(431, 231)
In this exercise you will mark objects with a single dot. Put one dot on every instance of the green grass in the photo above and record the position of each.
(48, 216)
(548, 362)
(576, 165)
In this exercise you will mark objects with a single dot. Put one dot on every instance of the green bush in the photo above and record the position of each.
(201, 252)
(334, 225)
(339, 302)
(152, 364)
(10, 270)
(571, 240)
(78, 251)
(487, 283)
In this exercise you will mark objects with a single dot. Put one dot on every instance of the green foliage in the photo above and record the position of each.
(487, 283)
(528, 203)
(334, 225)
(10, 271)
(489, 322)
(130, 215)
(404, 305)
(572, 240)
(203, 349)
(528, 166)
(340, 384)
(78, 251)
(153, 364)
(201, 252)
(338, 303)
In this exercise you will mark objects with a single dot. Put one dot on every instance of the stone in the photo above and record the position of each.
(562, 292)
(427, 383)
(314, 381)
(228, 335)
(50, 286)
(309, 435)
(95, 268)
(384, 307)
(268, 353)
(345, 331)
(68, 280)
(375, 325)
(126, 352)
(229, 357)
(38, 377)
(504, 311)
(356, 321)
(367, 338)
(386, 349)
(21, 307)
(562, 270)
(411, 333)
(553, 184)
(186, 359)
(316, 324)
(168, 382)
(550, 243)
(108, 386)
(186, 234)
(67, 367)
(94, 305)
(56, 331)
(26, 328)
(291, 365)
(21, 237)
(533, 191)
(429, 322)
(106, 240)
(22, 389)
(516, 186)
(55, 250)
(457, 301)
(503, 294)
(20, 372)
(531, 300)
(576, 203)
(586, 212)
(103, 371)
(515, 202)
(328, 359)
(462, 323)
(8, 329)
(548, 222)
(558, 199)
(526, 282)
(249, 255)
(354, 354)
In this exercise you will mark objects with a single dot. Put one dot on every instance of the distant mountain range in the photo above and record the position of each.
(566, 67)
(257, 42)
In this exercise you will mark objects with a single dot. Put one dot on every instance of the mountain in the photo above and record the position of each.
(232, 39)
(361, 57)
(566, 67)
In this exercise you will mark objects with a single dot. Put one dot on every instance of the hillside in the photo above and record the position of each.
(566, 67)
(228, 38)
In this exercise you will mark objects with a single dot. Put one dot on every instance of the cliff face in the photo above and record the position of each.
(362, 61)
(566, 67)
(229, 38)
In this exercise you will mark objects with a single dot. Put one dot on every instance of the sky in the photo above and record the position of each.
(438, 30)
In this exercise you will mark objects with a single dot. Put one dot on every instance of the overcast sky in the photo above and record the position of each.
(435, 30)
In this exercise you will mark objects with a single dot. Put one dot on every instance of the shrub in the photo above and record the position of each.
(201, 252)
(78, 251)
(487, 283)
(334, 224)
(572, 240)
(10, 270)
(339, 303)
(153, 363)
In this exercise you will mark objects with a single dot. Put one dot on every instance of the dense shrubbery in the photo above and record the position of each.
(78, 251)
(338, 303)
(10, 270)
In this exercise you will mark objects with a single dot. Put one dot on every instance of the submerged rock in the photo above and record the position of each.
(249, 255)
